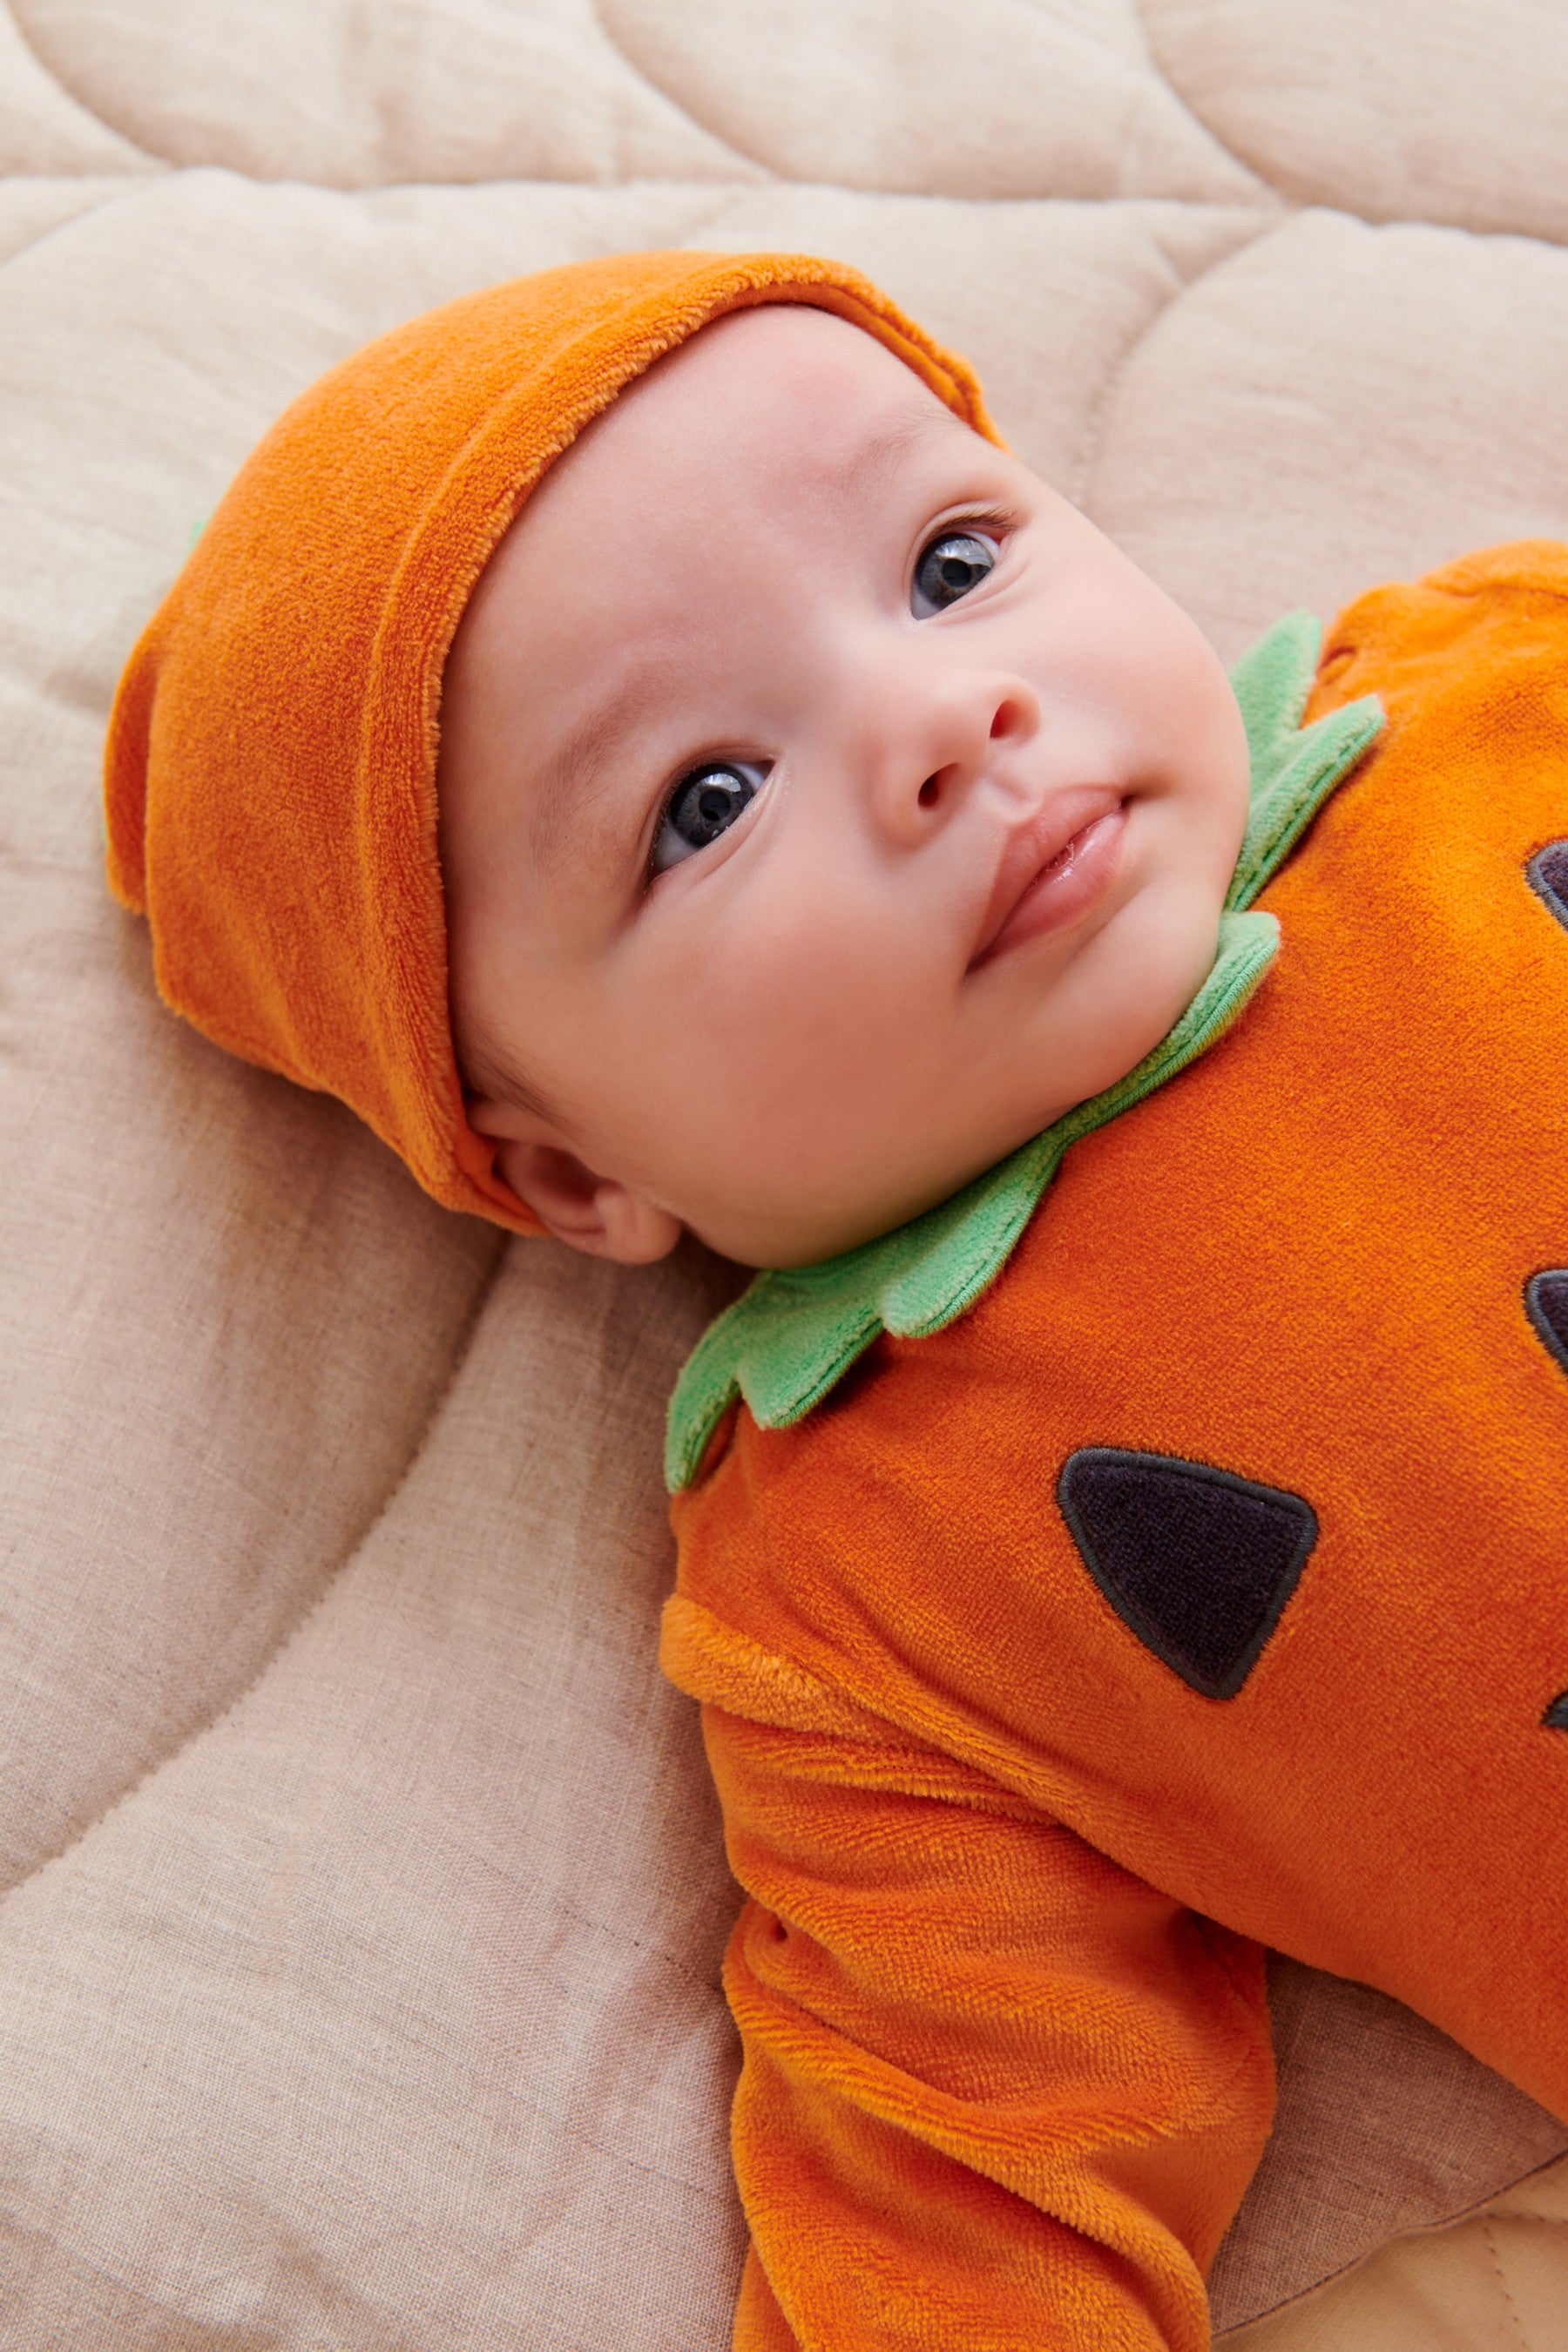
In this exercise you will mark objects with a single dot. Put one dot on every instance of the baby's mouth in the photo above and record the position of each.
(1053, 870)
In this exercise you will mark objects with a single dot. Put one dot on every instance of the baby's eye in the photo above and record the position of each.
(949, 566)
(704, 805)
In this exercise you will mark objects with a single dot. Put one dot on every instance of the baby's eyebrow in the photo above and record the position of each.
(884, 451)
(557, 796)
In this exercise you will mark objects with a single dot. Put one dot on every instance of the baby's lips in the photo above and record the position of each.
(1034, 845)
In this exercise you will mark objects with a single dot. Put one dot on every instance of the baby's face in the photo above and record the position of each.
(827, 806)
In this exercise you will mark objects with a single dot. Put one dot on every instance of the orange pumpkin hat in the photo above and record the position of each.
(270, 774)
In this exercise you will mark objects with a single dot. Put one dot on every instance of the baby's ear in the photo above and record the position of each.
(588, 1212)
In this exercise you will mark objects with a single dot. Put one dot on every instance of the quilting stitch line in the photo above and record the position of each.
(58, 81)
(286, 1638)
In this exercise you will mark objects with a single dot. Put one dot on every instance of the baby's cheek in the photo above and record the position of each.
(783, 1025)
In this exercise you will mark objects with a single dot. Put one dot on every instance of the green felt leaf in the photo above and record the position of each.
(1294, 769)
(792, 1336)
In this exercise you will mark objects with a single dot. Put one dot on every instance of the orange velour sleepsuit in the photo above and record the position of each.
(1100, 1582)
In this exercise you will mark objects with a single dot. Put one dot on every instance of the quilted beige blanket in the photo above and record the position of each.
(364, 1894)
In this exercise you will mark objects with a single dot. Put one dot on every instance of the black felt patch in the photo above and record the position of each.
(1546, 1304)
(1556, 1716)
(1548, 874)
(1197, 1562)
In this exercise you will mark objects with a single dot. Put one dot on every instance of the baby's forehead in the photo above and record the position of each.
(776, 396)
(806, 375)
(767, 418)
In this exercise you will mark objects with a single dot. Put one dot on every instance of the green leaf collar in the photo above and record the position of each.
(793, 1333)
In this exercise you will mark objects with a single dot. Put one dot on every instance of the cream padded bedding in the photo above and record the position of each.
(364, 1897)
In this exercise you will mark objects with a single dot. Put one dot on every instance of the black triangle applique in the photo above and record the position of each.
(1198, 1563)
(1548, 876)
(1556, 1716)
(1546, 1304)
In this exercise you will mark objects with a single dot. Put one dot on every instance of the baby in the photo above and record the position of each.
(778, 909)
(1121, 1530)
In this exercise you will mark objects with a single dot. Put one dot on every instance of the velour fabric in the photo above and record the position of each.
(999, 1981)
(270, 771)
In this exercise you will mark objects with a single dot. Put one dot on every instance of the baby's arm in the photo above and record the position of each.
(997, 2093)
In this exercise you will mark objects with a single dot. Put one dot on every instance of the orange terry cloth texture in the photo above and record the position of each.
(270, 776)
(1204, 1587)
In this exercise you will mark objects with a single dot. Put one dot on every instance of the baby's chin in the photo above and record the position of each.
(767, 1233)
(1143, 970)
(779, 1235)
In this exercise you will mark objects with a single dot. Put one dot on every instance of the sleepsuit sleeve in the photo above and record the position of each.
(997, 2095)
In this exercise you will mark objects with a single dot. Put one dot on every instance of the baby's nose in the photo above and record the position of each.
(951, 744)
